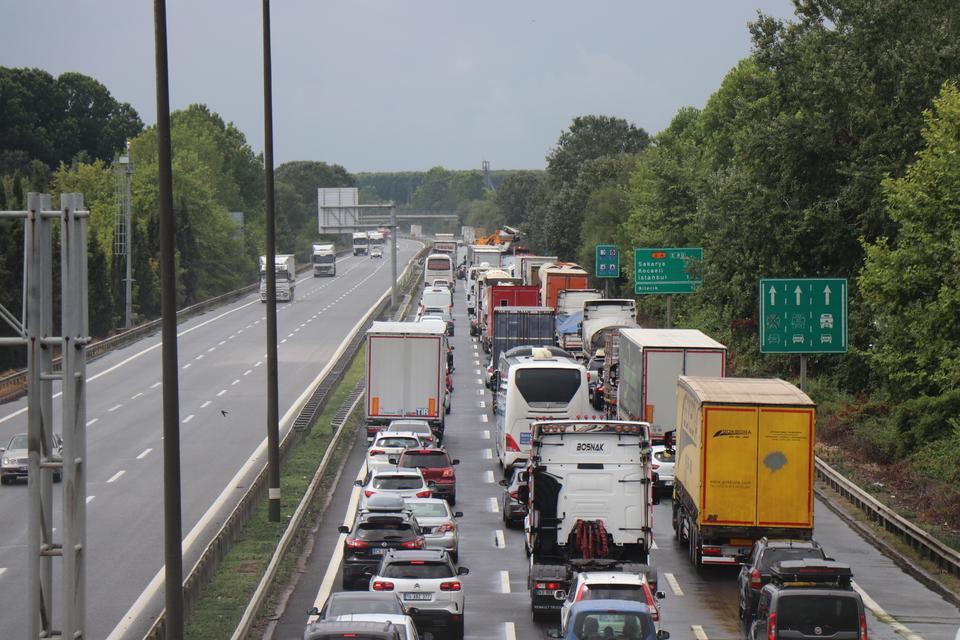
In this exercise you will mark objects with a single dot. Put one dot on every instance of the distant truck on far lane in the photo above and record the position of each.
(361, 243)
(324, 260)
(286, 269)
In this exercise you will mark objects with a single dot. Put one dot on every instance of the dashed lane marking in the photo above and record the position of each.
(509, 631)
(144, 453)
(222, 342)
(199, 357)
(92, 421)
(674, 585)
(484, 418)
(494, 505)
(3, 570)
(90, 499)
(248, 372)
(116, 476)
(476, 362)
(221, 392)
(482, 404)
(284, 340)
(478, 372)
(206, 404)
(155, 385)
(235, 382)
(505, 582)
(498, 540)
(136, 395)
(698, 632)
(211, 349)
(485, 435)
(487, 454)
(480, 381)
(114, 408)
(480, 392)
(188, 365)
(488, 476)
(883, 616)
(188, 419)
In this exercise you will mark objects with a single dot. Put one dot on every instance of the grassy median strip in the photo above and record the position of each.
(225, 598)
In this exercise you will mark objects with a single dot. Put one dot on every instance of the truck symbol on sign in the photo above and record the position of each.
(826, 321)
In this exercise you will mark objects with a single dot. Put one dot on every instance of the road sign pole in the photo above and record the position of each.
(606, 288)
(803, 372)
(669, 311)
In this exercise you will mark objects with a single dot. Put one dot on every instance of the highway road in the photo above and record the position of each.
(699, 604)
(223, 422)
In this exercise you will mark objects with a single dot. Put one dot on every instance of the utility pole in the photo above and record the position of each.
(273, 411)
(172, 526)
(123, 232)
(393, 256)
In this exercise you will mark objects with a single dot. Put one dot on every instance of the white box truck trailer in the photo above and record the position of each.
(286, 269)
(324, 260)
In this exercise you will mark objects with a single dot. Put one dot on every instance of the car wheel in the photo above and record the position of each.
(57, 477)
(3, 479)
(458, 631)
(452, 499)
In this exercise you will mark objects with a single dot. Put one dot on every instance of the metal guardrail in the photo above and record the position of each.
(209, 561)
(946, 558)
(14, 385)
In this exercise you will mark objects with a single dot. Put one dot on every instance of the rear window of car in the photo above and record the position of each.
(664, 456)
(345, 606)
(381, 530)
(432, 460)
(418, 569)
(398, 483)
(396, 442)
(812, 614)
(621, 625)
(427, 509)
(777, 554)
(614, 592)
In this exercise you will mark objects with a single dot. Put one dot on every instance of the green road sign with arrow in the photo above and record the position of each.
(803, 315)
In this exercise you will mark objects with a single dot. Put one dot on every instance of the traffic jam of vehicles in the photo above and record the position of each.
(592, 421)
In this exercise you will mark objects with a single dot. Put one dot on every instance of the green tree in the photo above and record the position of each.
(517, 196)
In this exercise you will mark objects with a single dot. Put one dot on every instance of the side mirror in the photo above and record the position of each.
(313, 611)
(462, 571)
(358, 483)
(503, 483)
(661, 595)
(393, 460)
(343, 529)
(431, 483)
(2, 449)
(458, 514)
(412, 611)
(663, 635)
(455, 461)
(554, 633)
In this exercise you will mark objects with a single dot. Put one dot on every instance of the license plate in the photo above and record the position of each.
(544, 592)
(378, 551)
(668, 483)
(417, 596)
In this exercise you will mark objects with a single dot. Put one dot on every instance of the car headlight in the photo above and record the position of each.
(7, 461)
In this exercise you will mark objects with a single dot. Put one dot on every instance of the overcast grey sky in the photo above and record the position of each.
(388, 85)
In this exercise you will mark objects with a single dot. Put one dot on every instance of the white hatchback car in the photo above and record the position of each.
(429, 586)
(612, 585)
(405, 483)
(391, 445)
(664, 460)
(408, 631)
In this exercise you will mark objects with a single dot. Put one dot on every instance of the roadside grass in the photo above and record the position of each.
(223, 601)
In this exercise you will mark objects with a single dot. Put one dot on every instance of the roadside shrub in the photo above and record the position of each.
(923, 420)
(940, 459)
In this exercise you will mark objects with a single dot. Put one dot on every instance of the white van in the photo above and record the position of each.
(542, 386)
(437, 297)
(438, 265)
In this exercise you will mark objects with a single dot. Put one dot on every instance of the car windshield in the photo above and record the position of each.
(664, 455)
(324, 259)
(777, 554)
(818, 614)
(611, 624)
(418, 569)
(632, 592)
(432, 460)
(396, 442)
(427, 509)
(392, 529)
(346, 606)
(547, 386)
(397, 483)
(411, 427)
(18, 442)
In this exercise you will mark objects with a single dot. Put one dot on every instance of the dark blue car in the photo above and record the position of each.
(610, 619)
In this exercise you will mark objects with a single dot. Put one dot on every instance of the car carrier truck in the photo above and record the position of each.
(744, 466)
(590, 504)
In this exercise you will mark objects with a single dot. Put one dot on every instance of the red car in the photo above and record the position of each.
(437, 469)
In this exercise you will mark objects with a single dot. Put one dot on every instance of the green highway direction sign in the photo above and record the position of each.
(803, 315)
(608, 261)
(664, 270)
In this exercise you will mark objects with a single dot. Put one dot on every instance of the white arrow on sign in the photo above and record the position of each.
(798, 291)
(826, 294)
(773, 296)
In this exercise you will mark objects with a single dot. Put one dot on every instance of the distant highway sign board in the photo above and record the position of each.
(607, 261)
(803, 315)
(666, 270)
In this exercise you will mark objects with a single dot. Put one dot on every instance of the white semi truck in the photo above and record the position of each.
(361, 243)
(324, 260)
(600, 317)
(286, 270)
(590, 501)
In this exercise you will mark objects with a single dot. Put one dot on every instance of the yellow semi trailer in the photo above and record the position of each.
(744, 466)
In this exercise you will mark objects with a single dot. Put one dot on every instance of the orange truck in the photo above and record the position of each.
(744, 466)
(557, 276)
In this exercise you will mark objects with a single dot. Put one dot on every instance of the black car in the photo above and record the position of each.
(347, 602)
(756, 573)
(354, 630)
(809, 600)
(374, 534)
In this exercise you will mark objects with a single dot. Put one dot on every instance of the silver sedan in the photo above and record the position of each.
(438, 524)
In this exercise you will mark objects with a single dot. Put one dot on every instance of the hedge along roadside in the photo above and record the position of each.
(205, 566)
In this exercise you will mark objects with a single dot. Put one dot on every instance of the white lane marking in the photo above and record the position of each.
(90, 499)
(674, 585)
(487, 454)
(3, 570)
(259, 362)
(248, 372)
(483, 418)
(144, 453)
(222, 342)
(488, 476)
(155, 385)
(485, 435)
(221, 392)
(505, 582)
(653, 544)
(116, 476)
(883, 616)
(114, 407)
(498, 540)
(698, 632)
(199, 357)
(480, 392)
(478, 371)
(482, 404)
(188, 365)
(509, 631)
(284, 340)
(235, 382)
(92, 421)
(494, 505)
(136, 395)
(188, 419)
(205, 404)
(480, 380)
(476, 362)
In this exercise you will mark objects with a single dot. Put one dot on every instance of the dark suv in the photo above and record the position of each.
(809, 599)
(374, 534)
(756, 573)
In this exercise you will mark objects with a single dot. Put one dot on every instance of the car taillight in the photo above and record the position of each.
(515, 495)
(447, 473)
(712, 551)
(588, 376)
(512, 444)
(449, 586)
(377, 452)
(423, 494)
(654, 612)
(547, 585)
(416, 543)
(353, 543)
(382, 585)
(772, 627)
(863, 626)
(755, 582)
(654, 466)
(368, 492)
(447, 527)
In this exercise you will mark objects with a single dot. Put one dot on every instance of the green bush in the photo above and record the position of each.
(923, 420)
(940, 459)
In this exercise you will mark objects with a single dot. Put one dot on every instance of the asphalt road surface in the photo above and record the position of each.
(699, 604)
(223, 422)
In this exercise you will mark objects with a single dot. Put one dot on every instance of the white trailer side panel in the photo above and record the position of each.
(390, 393)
